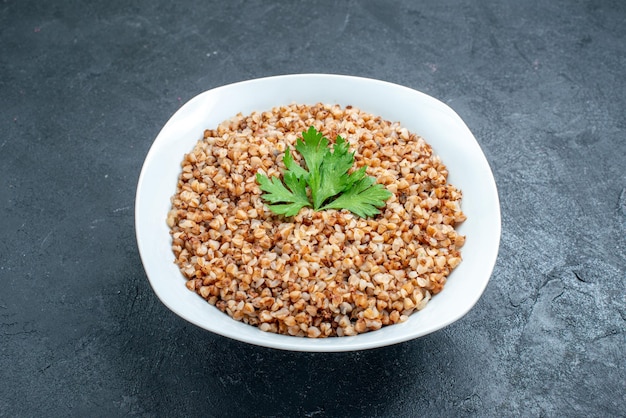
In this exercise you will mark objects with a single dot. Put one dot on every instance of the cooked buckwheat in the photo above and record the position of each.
(317, 274)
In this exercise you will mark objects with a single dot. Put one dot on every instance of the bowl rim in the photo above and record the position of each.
(334, 344)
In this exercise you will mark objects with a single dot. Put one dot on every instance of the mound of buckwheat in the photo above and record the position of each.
(316, 274)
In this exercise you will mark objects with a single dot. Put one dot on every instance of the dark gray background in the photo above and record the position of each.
(86, 86)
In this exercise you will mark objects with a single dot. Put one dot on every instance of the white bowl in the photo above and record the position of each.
(434, 121)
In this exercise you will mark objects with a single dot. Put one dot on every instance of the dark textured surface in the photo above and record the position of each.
(86, 86)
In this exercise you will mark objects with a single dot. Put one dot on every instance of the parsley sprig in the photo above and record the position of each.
(326, 183)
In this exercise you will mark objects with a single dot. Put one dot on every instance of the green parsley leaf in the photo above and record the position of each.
(333, 174)
(293, 167)
(330, 183)
(363, 199)
(294, 198)
(314, 147)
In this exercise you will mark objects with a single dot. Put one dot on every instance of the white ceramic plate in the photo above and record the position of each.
(436, 122)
